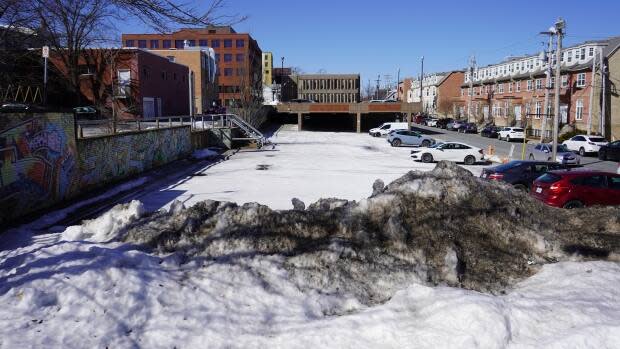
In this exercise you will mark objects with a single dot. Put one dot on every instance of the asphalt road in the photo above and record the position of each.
(503, 148)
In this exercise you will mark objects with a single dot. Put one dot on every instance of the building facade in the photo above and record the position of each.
(611, 124)
(267, 68)
(238, 57)
(438, 92)
(329, 88)
(201, 62)
(134, 83)
(512, 92)
(403, 89)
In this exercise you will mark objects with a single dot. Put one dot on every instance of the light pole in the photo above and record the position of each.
(281, 79)
(421, 80)
(397, 85)
(559, 26)
(547, 58)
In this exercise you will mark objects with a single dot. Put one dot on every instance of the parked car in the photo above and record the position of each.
(431, 122)
(585, 144)
(577, 188)
(468, 127)
(14, 107)
(454, 125)
(510, 133)
(386, 127)
(520, 173)
(452, 151)
(383, 101)
(544, 152)
(443, 123)
(490, 131)
(405, 137)
(88, 112)
(301, 100)
(611, 151)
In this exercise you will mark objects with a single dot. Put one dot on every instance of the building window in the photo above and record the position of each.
(581, 80)
(538, 110)
(583, 53)
(500, 88)
(129, 43)
(167, 44)
(191, 43)
(203, 43)
(228, 72)
(552, 81)
(124, 82)
(539, 84)
(239, 57)
(215, 43)
(142, 43)
(510, 87)
(591, 53)
(154, 43)
(217, 57)
(178, 44)
(570, 56)
(565, 81)
(227, 57)
(240, 43)
(227, 43)
(579, 110)
(462, 92)
(530, 85)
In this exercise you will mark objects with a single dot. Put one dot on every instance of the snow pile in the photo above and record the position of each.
(108, 226)
(206, 153)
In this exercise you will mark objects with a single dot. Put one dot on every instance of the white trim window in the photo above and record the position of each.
(539, 84)
(518, 86)
(510, 87)
(564, 81)
(581, 80)
(500, 88)
(538, 109)
(506, 110)
(530, 85)
(579, 110)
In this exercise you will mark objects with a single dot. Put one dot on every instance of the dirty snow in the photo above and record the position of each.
(204, 154)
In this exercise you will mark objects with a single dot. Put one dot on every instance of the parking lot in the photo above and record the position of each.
(503, 148)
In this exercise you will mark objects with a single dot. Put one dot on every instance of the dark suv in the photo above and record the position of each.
(520, 174)
(443, 123)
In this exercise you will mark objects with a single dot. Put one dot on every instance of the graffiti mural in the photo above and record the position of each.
(110, 158)
(37, 162)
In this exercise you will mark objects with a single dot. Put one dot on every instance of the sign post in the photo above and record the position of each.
(45, 53)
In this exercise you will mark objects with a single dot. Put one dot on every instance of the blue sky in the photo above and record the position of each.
(379, 37)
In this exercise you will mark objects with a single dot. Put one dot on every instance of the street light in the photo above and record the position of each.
(281, 79)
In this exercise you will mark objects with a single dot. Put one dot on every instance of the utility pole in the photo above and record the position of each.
(603, 92)
(548, 58)
(472, 65)
(378, 86)
(45, 53)
(421, 80)
(281, 78)
(559, 26)
(397, 85)
(592, 93)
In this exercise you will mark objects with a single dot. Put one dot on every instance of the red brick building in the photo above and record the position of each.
(237, 54)
(144, 84)
(439, 91)
(513, 91)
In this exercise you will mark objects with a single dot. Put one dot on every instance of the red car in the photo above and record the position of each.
(576, 188)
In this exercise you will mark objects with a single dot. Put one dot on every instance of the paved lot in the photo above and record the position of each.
(502, 148)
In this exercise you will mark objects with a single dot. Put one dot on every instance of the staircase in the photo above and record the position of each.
(251, 133)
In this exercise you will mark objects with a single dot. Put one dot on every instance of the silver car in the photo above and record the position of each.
(543, 152)
(404, 137)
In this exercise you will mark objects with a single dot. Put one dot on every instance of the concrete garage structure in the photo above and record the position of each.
(358, 110)
(328, 88)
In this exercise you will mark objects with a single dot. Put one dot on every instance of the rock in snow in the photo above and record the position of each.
(443, 227)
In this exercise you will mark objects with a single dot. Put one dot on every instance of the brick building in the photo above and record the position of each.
(438, 92)
(267, 65)
(144, 84)
(329, 88)
(403, 89)
(237, 54)
(201, 62)
(612, 88)
(512, 92)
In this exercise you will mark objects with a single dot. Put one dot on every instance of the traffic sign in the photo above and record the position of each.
(46, 51)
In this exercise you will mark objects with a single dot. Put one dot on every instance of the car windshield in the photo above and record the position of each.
(517, 129)
(562, 148)
(508, 166)
(437, 145)
(597, 139)
(549, 178)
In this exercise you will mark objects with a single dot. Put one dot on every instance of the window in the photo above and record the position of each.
(565, 81)
(581, 80)
(462, 92)
(239, 57)
(228, 72)
(591, 52)
(613, 182)
(570, 56)
(500, 88)
(129, 43)
(552, 81)
(217, 57)
(203, 43)
(178, 44)
(538, 109)
(142, 43)
(510, 87)
(539, 84)
(518, 86)
(215, 43)
(583, 53)
(530, 85)
(154, 43)
(227, 43)
(167, 44)
(191, 43)
(240, 43)
(241, 72)
(579, 110)
(124, 82)
(227, 57)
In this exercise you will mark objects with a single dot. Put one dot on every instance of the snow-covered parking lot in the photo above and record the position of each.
(79, 287)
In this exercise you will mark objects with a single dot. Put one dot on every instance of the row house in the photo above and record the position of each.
(512, 93)
(438, 92)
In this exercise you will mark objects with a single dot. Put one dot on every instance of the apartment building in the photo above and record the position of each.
(329, 88)
(203, 68)
(438, 92)
(238, 57)
(404, 87)
(267, 65)
(512, 92)
(611, 123)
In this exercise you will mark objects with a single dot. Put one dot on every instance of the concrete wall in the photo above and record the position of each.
(219, 137)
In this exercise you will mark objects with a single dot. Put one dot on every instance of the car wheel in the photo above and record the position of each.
(426, 143)
(531, 156)
(470, 160)
(582, 151)
(573, 204)
(602, 155)
(548, 159)
(396, 142)
(520, 187)
(507, 138)
(427, 158)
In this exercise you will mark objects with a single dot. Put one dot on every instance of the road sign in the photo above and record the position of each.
(46, 51)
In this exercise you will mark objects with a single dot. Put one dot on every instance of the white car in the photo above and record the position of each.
(431, 122)
(510, 133)
(585, 144)
(388, 127)
(452, 151)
